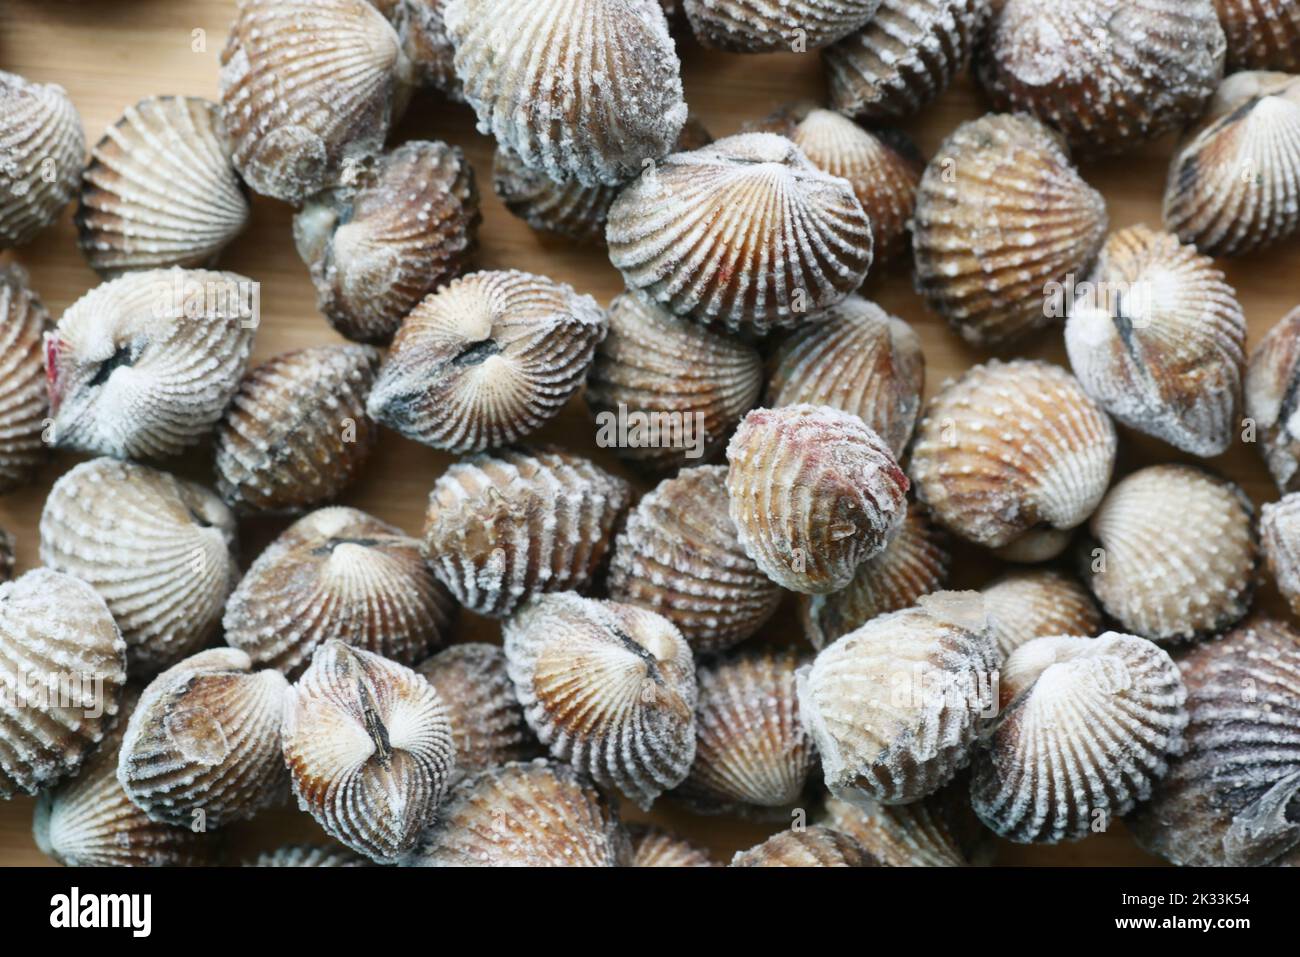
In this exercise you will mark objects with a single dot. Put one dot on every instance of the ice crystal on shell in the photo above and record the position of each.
(1261, 34)
(423, 36)
(43, 147)
(24, 401)
(761, 26)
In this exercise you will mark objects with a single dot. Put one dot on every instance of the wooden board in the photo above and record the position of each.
(110, 53)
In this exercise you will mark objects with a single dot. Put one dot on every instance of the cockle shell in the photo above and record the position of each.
(691, 384)
(1159, 340)
(1230, 795)
(579, 89)
(202, 748)
(1233, 181)
(746, 232)
(898, 835)
(296, 433)
(1279, 532)
(63, 666)
(1176, 553)
(655, 847)
(1001, 217)
(42, 148)
(376, 248)
(144, 365)
(759, 26)
(24, 402)
(309, 855)
(814, 493)
(369, 750)
(1262, 34)
(1087, 726)
(608, 687)
(1271, 393)
(1038, 603)
(1013, 456)
(338, 573)
(308, 91)
(502, 528)
(487, 360)
(160, 189)
(1107, 73)
(159, 549)
(527, 814)
(814, 846)
(896, 705)
(6, 556)
(680, 555)
(423, 35)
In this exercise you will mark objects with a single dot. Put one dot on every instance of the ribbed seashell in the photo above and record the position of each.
(1230, 795)
(423, 35)
(1279, 532)
(486, 719)
(24, 401)
(159, 549)
(1176, 553)
(1233, 182)
(144, 365)
(377, 248)
(296, 433)
(1038, 603)
(369, 749)
(6, 556)
(1262, 34)
(680, 555)
(160, 189)
(655, 847)
(898, 835)
(1086, 728)
(527, 814)
(914, 563)
(202, 748)
(42, 148)
(905, 57)
(502, 528)
(487, 360)
(338, 573)
(813, 846)
(63, 662)
(1013, 456)
(601, 79)
(1002, 217)
(896, 705)
(746, 232)
(308, 91)
(1159, 340)
(1271, 393)
(309, 855)
(758, 26)
(859, 359)
(814, 493)
(1108, 74)
(608, 687)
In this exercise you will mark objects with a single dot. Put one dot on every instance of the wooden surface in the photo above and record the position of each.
(110, 53)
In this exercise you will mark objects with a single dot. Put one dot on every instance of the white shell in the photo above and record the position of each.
(1038, 603)
(24, 399)
(1271, 392)
(760, 26)
(815, 846)
(1279, 532)
(41, 151)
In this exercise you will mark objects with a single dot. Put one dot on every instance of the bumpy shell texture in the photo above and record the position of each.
(1038, 603)
(1262, 34)
(1272, 395)
(42, 148)
(814, 846)
(24, 401)
(160, 189)
(759, 26)
(746, 232)
(1279, 532)
(580, 89)
(487, 360)
(899, 835)
(309, 855)
(144, 365)
(423, 35)
(655, 847)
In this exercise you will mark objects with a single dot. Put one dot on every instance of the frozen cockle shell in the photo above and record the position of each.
(904, 58)
(896, 705)
(1108, 74)
(526, 814)
(655, 847)
(1174, 553)
(1279, 532)
(309, 855)
(1262, 34)
(423, 36)
(160, 189)
(202, 748)
(42, 148)
(1159, 340)
(159, 549)
(814, 846)
(24, 401)
(296, 433)
(1087, 726)
(680, 555)
(376, 248)
(746, 232)
(309, 89)
(579, 89)
(1013, 456)
(487, 360)
(1272, 398)
(63, 663)
(858, 359)
(1233, 182)
(814, 493)
(1229, 798)
(608, 687)
(1038, 603)
(501, 528)
(338, 573)
(898, 835)
(914, 563)
(369, 749)
(760, 26)
(1002, 218)
(143, 366)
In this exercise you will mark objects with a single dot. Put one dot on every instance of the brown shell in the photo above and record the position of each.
(1279, 532)
(814, 846)
(423, 35)
(309, 855)
(1271, 393)
(1038, 603)
(6, 556)
(1262, 34)
(655, 847)
(899, 835)
(42, 148)
(24, 401)
(757, 26)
